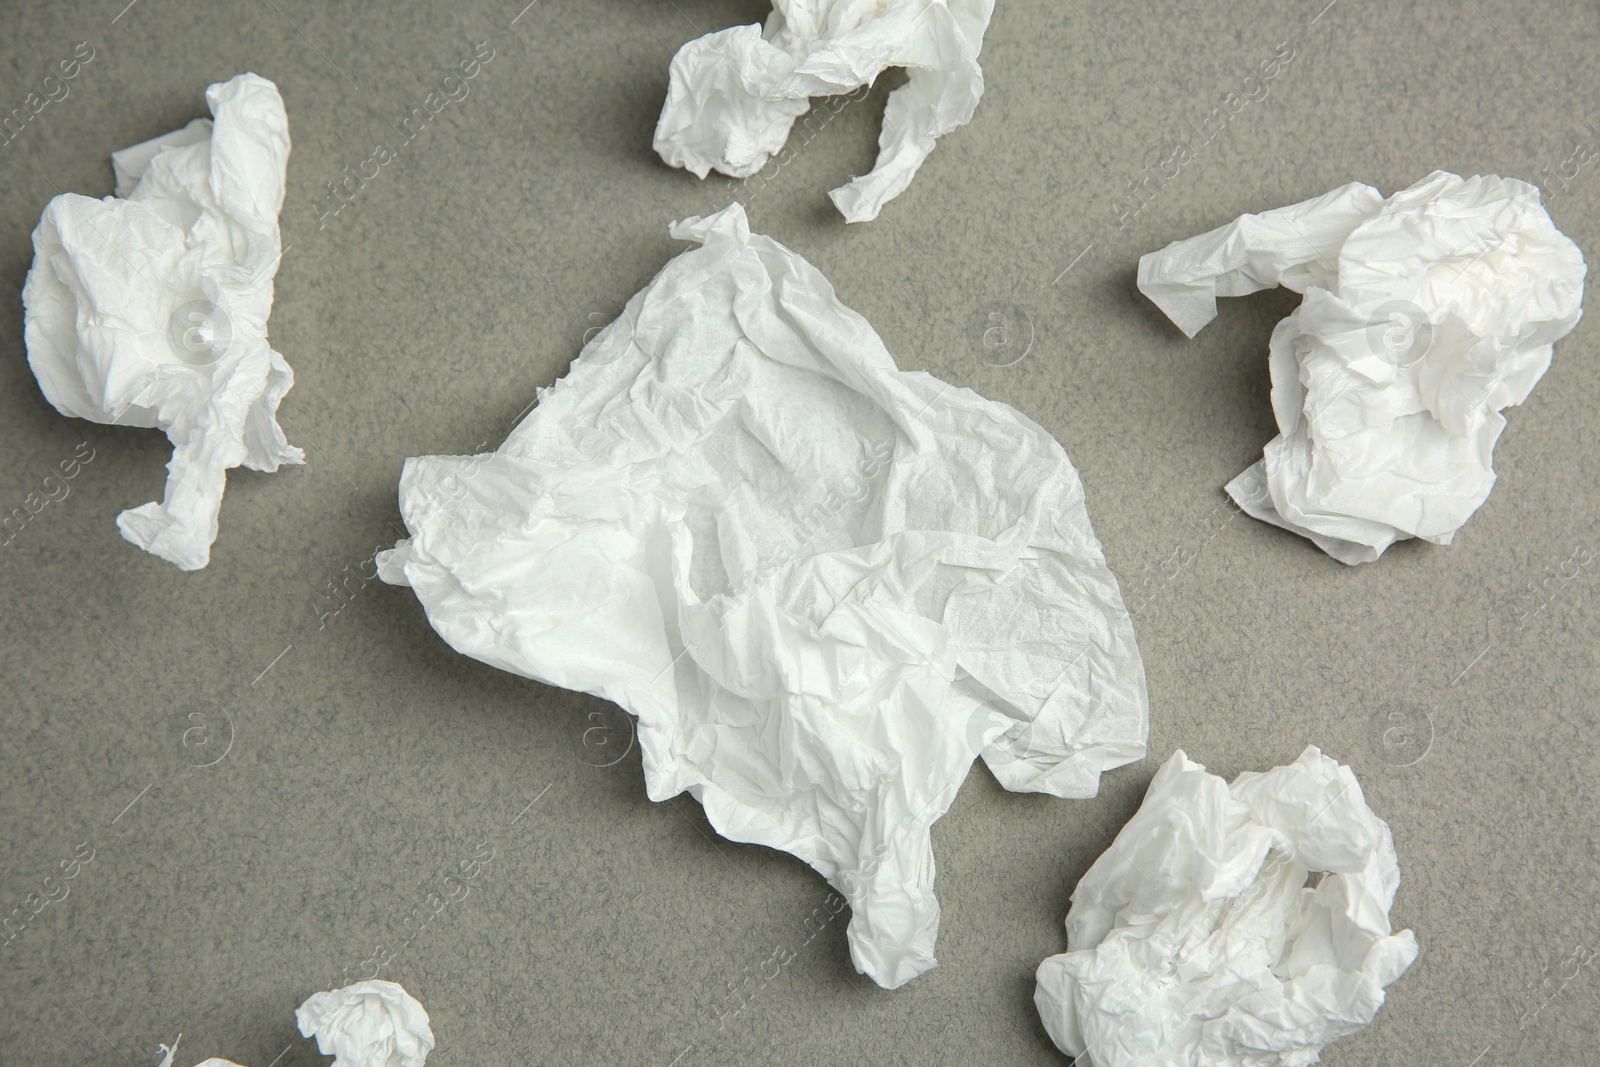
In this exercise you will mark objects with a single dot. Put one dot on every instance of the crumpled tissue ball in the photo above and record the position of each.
(1424, 316)
(149, 308)
(734, 94)
(368, 1024)
(1196, 938)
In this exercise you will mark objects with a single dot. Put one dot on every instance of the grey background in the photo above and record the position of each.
(364, 759)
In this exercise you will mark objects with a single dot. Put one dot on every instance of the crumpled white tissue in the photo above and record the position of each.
(734, 94)
(822, 584)
(149, 308)
(1424, 315)
(172, 1051)
(369, 1024)
(1195, 940)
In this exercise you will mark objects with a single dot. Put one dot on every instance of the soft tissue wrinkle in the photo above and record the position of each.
(1424, 315)
(734, 94)
(1195, 938)
(822, 584)
(149, 308)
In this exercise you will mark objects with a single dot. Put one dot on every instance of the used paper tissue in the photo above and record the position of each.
(171, 1051)
(369, 1024)
(1424, 315)
(823, 585)
(1196, 939)
(734, 94)
(149, 308)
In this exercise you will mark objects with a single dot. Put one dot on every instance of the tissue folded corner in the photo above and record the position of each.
(1424, 316)
(368, 1024)
(1196, 939)
(149, 308)
(822, 584)
(734, 95)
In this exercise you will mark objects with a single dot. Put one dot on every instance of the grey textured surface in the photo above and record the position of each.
(365, 760)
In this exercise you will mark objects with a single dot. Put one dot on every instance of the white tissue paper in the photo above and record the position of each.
(1424, 315)
(172, 1051)
(1195, 938)
(822, 584)
(734, 94)
(149, 308)
(369, 1024)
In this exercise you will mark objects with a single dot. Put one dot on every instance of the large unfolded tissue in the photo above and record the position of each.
(1195, 939)
(822, 584)
(734, 94)
(1424, 315)
(369, 1024)
(149, 308)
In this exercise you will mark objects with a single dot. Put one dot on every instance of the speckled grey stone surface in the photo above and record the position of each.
(272, 790)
